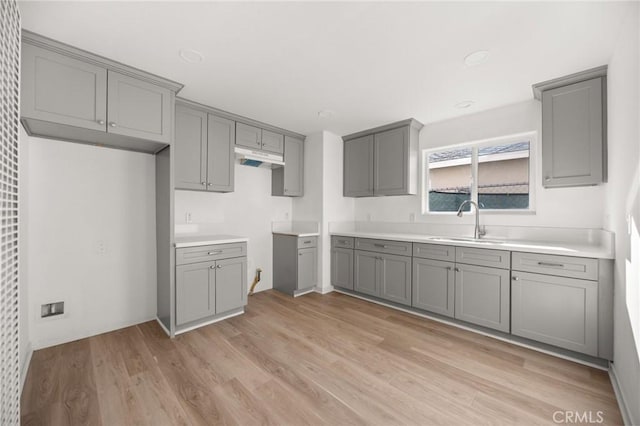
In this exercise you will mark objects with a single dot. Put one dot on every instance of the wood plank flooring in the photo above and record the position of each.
(330, 359)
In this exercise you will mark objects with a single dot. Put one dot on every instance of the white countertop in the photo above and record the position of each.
(558, 248)
(296, 233)
(194, 240)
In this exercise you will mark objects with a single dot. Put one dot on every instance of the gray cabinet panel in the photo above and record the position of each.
(138, 109)
(60, 89)
(231, 284)
(556, 310)
(211, 252)
(248, 136)
(195, 291)
(220, 155)
(565, 266)
(434, 251)
(307, 268)
(289, 179)
(306, 242)
(434, 286)
(573, 135)
(342, 268)
(272, 142)
(401, 248)
(343, 242)
(358, 170)
(190, 148)
(366, 272)
(484, 257)
(483, 296)
(391, 162)
(395, 278)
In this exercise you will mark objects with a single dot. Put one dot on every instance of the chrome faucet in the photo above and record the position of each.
(477, 233)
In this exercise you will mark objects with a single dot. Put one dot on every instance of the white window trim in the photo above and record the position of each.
(475, 145)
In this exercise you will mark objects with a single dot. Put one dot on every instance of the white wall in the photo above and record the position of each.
(248, 212)
(563, 207)
(623, 191)
(91, 239)
(23, 258)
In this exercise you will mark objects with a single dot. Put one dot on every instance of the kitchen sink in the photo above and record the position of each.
(469, 240)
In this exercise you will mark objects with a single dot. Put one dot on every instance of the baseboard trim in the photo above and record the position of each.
(622, 404)
(25, 367)
(163, 327)
(323, 290)
(212, 321)
(474, 330)
(42, 344)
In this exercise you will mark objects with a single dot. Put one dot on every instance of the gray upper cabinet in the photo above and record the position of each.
(204, 157)
(248, 136)
(289, 180)
(559, 311)
(190, 148)
(382, 161)
(60, 89)
(574, 129)
(358, 170)
(138, 109)
(433, 286)
(70, 94)
(272, 142)
(482, 296)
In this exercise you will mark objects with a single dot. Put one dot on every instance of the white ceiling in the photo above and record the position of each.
(369, 63)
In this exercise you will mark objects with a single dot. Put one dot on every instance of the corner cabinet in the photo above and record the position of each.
(382, 161)
(69, 94)
(204, 157)
(574, 130)
(289, 180)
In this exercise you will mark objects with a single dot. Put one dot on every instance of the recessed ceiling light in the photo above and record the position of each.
(464, 104)
(325, 113)
(476, 58)
(191, 56)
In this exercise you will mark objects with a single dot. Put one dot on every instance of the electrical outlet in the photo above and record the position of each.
(187, 217)
(51, 309)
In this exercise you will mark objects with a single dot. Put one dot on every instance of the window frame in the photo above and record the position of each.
(532, 137)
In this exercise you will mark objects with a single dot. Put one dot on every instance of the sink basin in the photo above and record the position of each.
(469, 240)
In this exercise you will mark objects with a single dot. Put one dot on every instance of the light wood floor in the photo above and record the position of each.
(329, 359)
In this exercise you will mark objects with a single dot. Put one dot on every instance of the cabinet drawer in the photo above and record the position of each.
(483, 257)
(212, 252)
(343, 242)
(306, 242)
(549, 264)
(384, 246)
(434, 251)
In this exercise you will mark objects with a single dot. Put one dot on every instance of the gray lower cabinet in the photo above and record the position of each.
(195, 292)
(556, 310)
(382, 161)
(434, 286)
(204, 157)
(231, 284)
(482, 296)
(386, 276)
(574, 129)
(342, 267)
(295, 263)
(289, 180)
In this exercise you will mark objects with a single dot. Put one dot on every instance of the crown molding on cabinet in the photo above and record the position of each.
(412, 122)
(538, 88)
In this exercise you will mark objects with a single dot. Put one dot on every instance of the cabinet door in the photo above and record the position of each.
(231, 284)
(195, 292)
(293, 167)
(342, 268)
(307, 268)
(482, 296)
(395, 278)
(248, 136)
(556, 310)
(365, 278)
(220, 155)
(358, 167)
(433, 286)
(63, 90)
(138, 109)
(391, 162)
(572, 134)
(272, 142)
(190, 148)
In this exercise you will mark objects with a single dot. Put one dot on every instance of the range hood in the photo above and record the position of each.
(249, 157)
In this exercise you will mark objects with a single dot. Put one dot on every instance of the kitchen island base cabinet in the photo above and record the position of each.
(556, 310)
(382, 275)
(482, 296)
(433, 286)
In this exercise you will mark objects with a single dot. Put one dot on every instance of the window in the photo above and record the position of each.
(495, 174)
